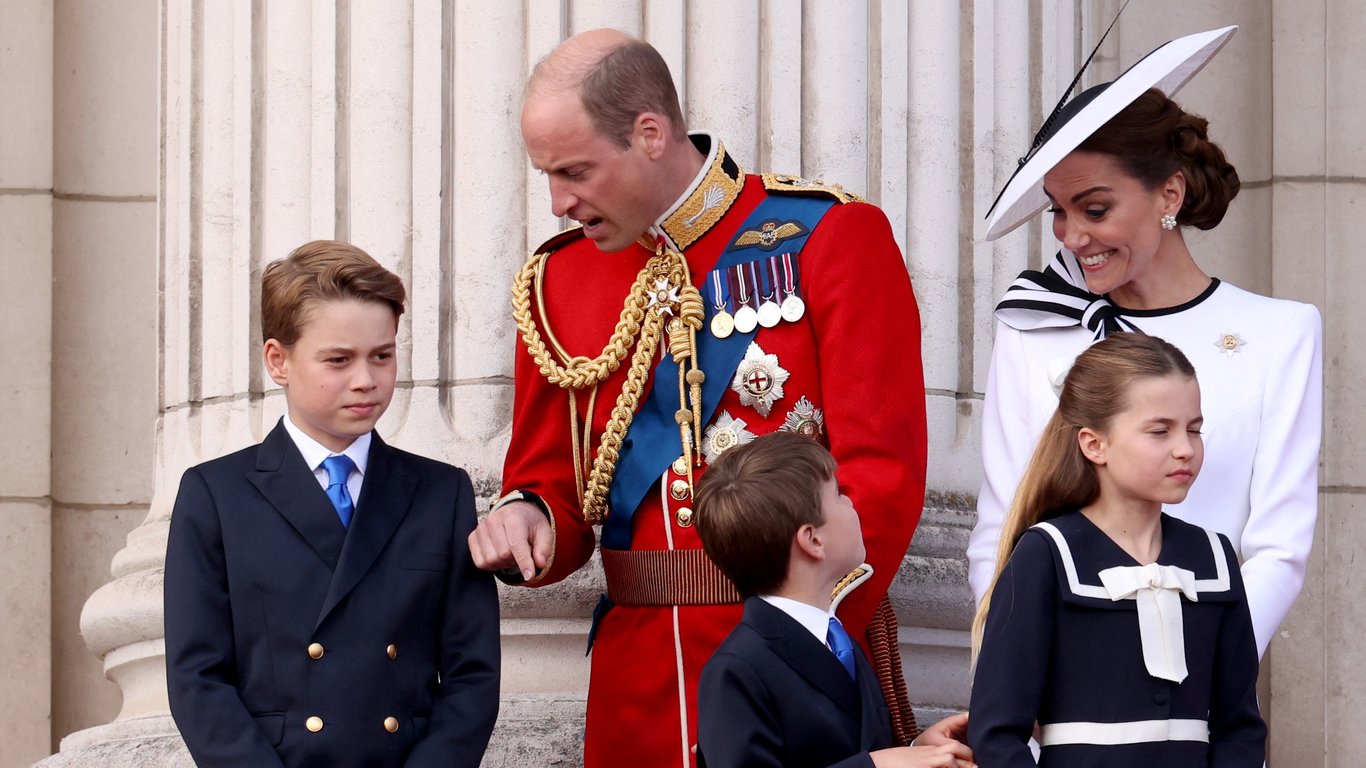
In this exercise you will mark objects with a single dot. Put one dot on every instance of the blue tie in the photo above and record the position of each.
(338, 470)
(839, 642)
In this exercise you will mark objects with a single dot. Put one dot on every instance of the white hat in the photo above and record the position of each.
(1168, 68)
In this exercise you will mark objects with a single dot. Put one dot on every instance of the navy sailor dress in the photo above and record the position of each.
(1120, 664)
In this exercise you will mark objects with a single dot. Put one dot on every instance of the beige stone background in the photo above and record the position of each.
(154, 154)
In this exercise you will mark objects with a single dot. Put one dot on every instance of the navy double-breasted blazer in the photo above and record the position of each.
(292, 640)
(774, 695)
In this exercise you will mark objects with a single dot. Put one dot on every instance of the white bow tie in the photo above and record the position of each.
(1158, 590)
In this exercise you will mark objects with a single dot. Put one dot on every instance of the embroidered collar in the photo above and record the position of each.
(707, 199)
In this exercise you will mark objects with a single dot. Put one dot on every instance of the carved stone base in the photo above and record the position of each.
(138, 742)
(543, 730)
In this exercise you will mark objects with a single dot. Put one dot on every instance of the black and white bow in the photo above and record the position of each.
(1057, 298)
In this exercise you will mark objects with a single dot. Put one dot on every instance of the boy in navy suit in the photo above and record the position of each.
(321, 605)
(788, 687)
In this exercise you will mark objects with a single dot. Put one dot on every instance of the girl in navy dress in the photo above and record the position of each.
(1122, 632)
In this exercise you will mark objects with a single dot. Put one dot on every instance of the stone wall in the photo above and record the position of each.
(130, 297)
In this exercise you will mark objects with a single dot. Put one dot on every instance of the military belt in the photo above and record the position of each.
(665, 577)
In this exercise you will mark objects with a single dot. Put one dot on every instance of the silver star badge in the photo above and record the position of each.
(723, 434)
(804, 419)
(759, 380)
(1229, 343)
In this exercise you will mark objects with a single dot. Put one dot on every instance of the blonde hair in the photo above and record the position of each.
(1060, 478)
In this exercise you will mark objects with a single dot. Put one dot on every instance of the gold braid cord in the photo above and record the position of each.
(662, 287)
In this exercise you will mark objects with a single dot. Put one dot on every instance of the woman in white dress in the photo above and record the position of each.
(1124, 170)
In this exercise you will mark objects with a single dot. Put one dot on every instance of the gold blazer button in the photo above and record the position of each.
(314, 724)
(391, 724)
(315, 650)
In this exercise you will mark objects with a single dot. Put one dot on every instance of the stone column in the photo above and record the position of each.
(104, 333)
(1317, 191)
(395, 125)
(26, 41)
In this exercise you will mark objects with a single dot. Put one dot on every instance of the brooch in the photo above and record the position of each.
(759, 380)
(1229, 343)
(724, 433)
(804, 419)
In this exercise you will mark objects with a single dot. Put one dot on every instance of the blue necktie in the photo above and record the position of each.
(839, 642)
(338, 470)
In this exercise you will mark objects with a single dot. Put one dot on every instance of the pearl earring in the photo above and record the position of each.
(1169, 222)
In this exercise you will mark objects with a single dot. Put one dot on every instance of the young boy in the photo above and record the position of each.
(788, 687)
(321, 605)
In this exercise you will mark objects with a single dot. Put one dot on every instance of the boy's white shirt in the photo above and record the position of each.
(815, 620)
(314, 452)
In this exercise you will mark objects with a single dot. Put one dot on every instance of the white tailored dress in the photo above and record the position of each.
(1259, 362)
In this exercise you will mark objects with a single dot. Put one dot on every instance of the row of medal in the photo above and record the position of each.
(762, 292)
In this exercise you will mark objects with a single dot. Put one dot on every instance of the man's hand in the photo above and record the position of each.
(950, 754)
(951, 728)
(516, 535)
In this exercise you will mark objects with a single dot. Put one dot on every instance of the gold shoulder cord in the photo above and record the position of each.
(663, 287)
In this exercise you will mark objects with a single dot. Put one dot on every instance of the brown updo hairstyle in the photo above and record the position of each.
(1153, 138)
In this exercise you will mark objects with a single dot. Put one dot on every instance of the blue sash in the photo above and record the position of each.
(652, 442)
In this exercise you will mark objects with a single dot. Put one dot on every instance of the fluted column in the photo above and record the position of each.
(395, 125)
(26, 84)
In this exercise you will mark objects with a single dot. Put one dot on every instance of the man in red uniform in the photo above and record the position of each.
(693, 308)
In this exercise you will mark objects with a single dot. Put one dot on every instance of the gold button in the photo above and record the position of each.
(684, 517)
(392, 651)
(391, 724)
(315, 650)
(680, 465)
(314, 724)
(678, 489)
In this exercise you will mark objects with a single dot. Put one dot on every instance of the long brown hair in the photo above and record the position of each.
(1060, 478)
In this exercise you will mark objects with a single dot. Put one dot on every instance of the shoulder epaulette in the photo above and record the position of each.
(561, 240)
(782, 183)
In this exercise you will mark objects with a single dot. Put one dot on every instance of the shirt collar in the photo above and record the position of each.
(314, 452)
(816, 621)
(706, 200)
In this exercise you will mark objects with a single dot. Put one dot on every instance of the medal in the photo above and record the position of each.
(759, 380)
(746, 319)
(769, 313)
(722, 324)
(724, 433)
(664, 298)
(805, 419)
(793, 306)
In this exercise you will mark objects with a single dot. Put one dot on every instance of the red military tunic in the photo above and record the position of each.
(855, 355)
